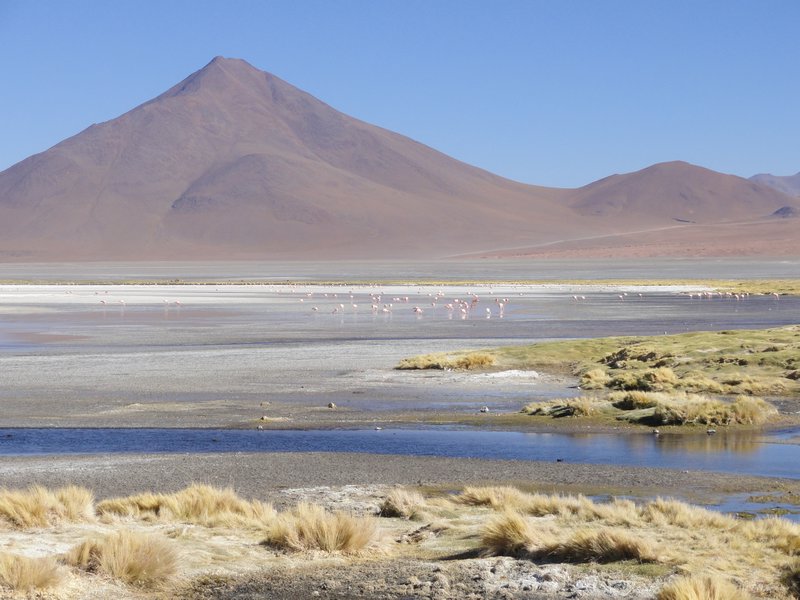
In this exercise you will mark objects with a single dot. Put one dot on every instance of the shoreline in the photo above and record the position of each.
(266, 475)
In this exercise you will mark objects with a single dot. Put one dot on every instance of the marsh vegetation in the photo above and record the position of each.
(709, 378)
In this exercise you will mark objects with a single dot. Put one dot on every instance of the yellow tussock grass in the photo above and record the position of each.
(40, 507)
(22, 574)
(200, 504)
(597, 545)
(513, 534)
(791, 578)
(443, 361)
(145, 560)
(508, 534)
(583, 406)
(595, 379)
(403, 503)
(762, 554)
(706, 587)
(498, 497)
(310, 527)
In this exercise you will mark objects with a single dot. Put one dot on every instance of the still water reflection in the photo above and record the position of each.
(745, 453)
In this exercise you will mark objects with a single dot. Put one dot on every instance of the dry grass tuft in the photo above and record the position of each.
(583, 406)
(508, 534)
(498, 497)
(634, 400)
(40, 507)
(201, 504)
(597, 545)
(144, 560)
(512, 534)
(443, 361)
(310, 527)
(791, 578)
(705, 587)
(577, 529)
(691, 408)
(22, 574)
(406, 504)
(474, 360)
(595, 379)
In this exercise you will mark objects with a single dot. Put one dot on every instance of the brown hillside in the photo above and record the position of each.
(234, 163)
(677, 191)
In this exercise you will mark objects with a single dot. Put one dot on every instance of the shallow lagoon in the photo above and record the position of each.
(224, 355)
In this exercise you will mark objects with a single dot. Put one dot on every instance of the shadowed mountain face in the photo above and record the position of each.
(234, 163)
(788, 185)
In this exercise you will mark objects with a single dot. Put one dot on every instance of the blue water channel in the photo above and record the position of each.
(733, 452)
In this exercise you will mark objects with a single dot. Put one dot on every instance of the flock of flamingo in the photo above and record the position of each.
(464, 307)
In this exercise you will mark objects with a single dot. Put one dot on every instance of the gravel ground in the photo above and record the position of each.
(265, 476)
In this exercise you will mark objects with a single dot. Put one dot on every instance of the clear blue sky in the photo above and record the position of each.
(558, 92)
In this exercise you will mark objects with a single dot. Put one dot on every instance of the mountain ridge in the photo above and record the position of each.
(234, 162)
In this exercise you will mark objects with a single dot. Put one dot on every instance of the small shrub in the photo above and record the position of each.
(22, 574)
(705, 587)
(310, 527)
(403, 503)
(135, 558)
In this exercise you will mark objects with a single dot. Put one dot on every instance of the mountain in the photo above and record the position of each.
(677, 191)
(789, 184)
(234, 163)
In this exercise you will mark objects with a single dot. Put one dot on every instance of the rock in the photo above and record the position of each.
(331, 405)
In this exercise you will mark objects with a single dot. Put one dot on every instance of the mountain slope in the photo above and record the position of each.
(789, 184)
(679, 192)
(234, 163)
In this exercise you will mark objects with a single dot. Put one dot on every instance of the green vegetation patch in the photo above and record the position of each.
(743, 362)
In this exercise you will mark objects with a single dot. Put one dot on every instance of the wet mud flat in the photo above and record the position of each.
(230, 356)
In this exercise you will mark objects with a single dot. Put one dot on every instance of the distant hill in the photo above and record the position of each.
(234, 163)
(789, 184)
(679, 192)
